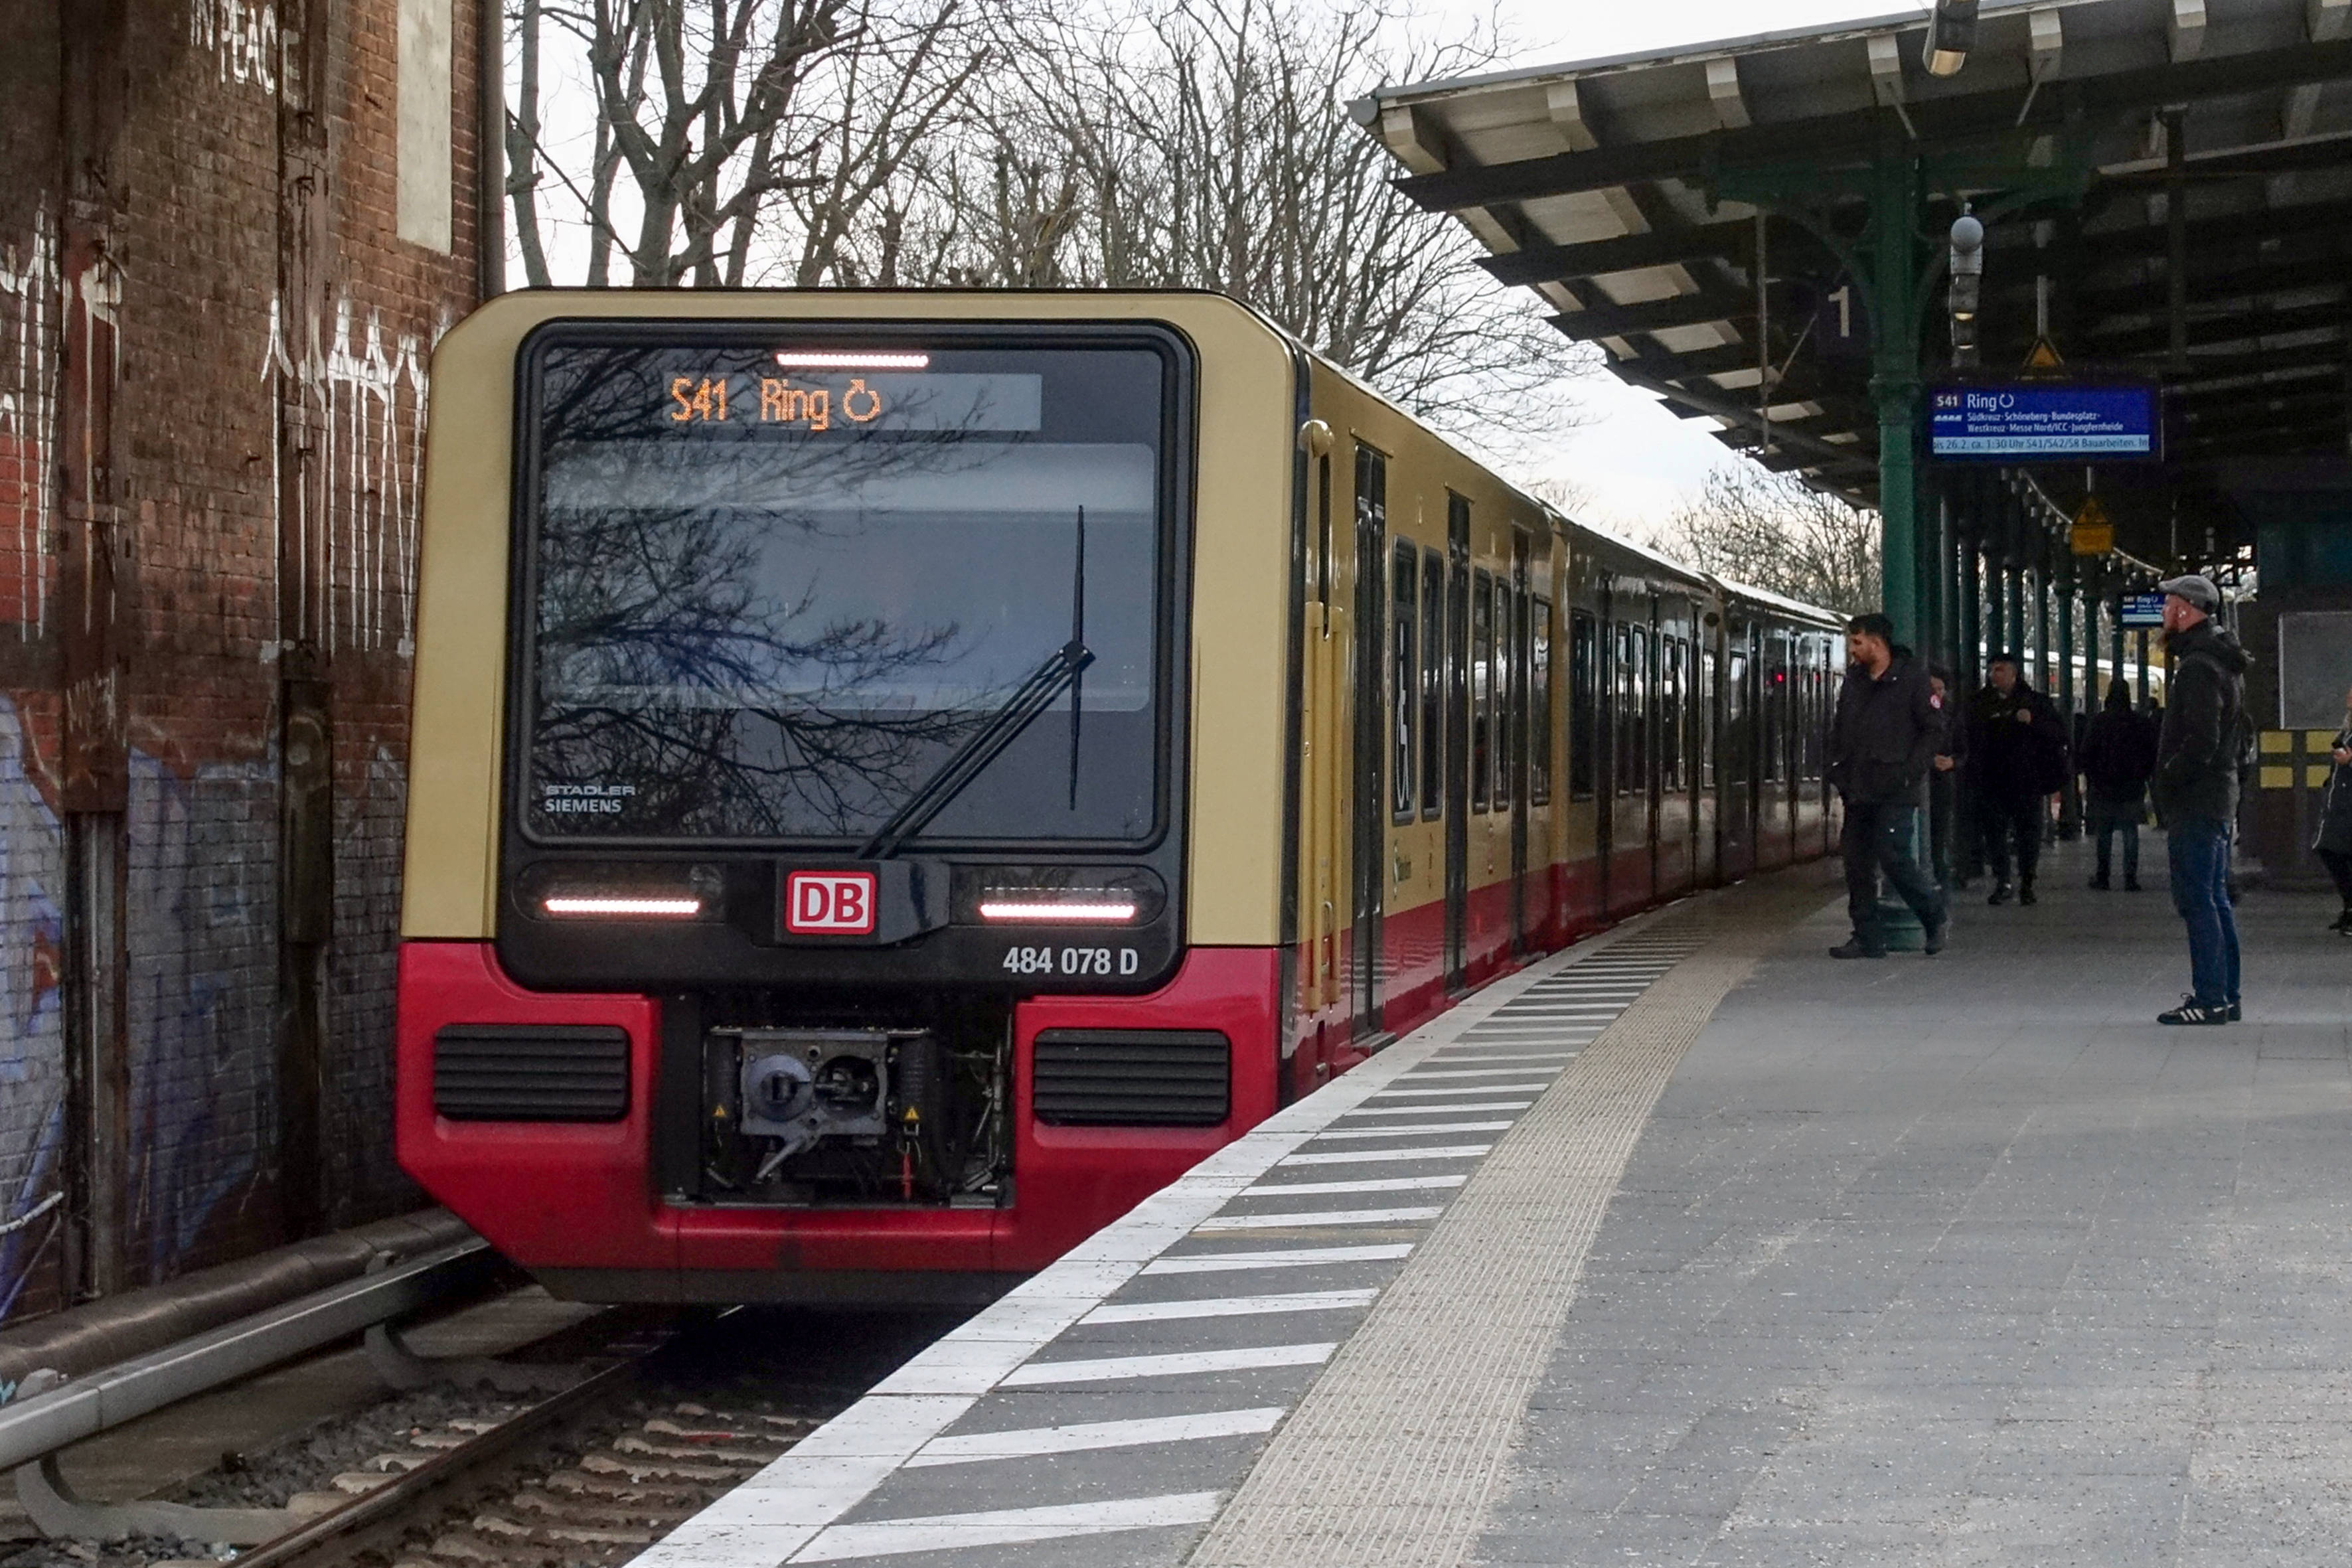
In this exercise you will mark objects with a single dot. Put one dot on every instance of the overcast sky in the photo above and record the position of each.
(1636, 460)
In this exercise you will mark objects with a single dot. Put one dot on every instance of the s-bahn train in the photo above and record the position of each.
(897, 777)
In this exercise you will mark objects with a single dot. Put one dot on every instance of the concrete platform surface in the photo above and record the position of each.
(1692, 1245)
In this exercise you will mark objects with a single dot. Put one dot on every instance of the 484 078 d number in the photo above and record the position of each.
(1073, 962)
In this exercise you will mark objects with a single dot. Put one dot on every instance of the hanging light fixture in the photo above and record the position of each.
(1951, 34)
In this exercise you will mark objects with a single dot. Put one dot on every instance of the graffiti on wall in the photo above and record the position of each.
(32, 1030)
(241, 36)
(362, 392)
(28, 398)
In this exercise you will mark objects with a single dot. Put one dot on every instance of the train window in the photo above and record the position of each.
(1482, 689)
(1539, 703)
(1774, 717)
(1645, 643)
(1706, 723)
(1670, 713)
(782, 612)
(1620, 691)
(1323, 530)
(1432, 684)
(1583, 701)
(1405, 695)
(1506, 682)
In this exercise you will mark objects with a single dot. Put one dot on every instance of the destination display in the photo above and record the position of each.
(2029, 420)
(2142, 610)
(818, 402)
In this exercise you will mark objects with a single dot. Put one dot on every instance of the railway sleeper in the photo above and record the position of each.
(665, 1470)
(564, 1532)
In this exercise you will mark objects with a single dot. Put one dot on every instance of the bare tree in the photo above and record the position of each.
(1771, 530)
(1206, 143)
(703, 114)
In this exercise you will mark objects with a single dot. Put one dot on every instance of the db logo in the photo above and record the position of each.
(829, 903)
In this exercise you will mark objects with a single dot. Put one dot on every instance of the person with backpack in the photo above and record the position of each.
(2334, 845)
(2017, 760)
(2118, 753)
(2195, 784)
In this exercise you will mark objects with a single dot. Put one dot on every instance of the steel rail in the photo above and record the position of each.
(474, 1467)
(40, 1424)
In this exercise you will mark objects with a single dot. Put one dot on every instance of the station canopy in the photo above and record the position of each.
(2216, 131)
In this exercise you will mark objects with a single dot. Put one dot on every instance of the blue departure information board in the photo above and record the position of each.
(2044, 421)
(2142, 610)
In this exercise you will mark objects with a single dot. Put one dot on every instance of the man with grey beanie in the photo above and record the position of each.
(2195, 789)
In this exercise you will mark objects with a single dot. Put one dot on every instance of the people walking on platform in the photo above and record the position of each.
(1944, 773)
(2118, 753)
(2334, 845)
(2196, 789)
(1883, 741)
(2017, 760)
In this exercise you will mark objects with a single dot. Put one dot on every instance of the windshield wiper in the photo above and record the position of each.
(1041, 691)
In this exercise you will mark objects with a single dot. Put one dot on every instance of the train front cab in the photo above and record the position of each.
(585, 1095)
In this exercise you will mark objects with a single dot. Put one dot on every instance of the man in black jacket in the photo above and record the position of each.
(1885, 733)
(2117, 753)
(2017, 760)
(2196, 789)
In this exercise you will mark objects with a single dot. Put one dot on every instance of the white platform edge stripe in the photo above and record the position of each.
(779, 1510)
(1093, 1436)
(1386, 1153)
(1171, 1364)
(1228, 1307)
(1280, 1258)
(1006, 1527)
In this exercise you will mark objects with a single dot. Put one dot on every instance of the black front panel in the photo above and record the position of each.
(1132, 1077)
(823, 633)
(530, 1072)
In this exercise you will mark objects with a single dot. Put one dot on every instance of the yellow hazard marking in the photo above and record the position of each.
(2278, 778)
(2278, 739)
(2314, 775)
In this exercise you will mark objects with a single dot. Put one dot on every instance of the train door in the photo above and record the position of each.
(1513, 754)
(1457, 739)
(1369, 838)
(1587, 782)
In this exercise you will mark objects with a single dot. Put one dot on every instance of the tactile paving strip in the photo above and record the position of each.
(1391, 1459)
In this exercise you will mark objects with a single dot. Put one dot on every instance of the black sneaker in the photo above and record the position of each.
(2237, 1011)
(2100, 884)
(2192, 1011)
(1935, 936)
(2341, 922)
(2001, 893)
(2131, 884)
(2025, 894)
(1852, 948)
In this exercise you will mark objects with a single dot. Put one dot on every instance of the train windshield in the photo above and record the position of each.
(778, 586)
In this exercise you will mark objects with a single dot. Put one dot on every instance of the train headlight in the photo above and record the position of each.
(622, 893)
(1057, 895)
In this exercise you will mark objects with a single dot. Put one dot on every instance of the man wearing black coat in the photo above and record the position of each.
(1886, 732)
(2196, 789)
(2017, 760)
(2117, 753)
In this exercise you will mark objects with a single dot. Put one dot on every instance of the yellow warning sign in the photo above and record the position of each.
(2044, 355)
(2093, 533)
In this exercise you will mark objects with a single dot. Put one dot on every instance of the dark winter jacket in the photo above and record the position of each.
(2118, 753)
(2196, 754)
(2014, 760)
(2336, 802)
(1884, 734)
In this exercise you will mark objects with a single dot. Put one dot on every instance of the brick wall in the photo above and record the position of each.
(258, 497)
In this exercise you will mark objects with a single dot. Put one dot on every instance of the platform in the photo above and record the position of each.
(1691, 1246)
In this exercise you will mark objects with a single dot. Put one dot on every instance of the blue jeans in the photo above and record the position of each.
(2198, 853)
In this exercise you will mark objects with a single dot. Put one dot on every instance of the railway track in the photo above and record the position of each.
(592, 1475)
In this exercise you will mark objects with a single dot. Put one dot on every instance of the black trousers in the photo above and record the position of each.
(1943, 808)
(2339, 865)
(1877, 838)
(2002, 821)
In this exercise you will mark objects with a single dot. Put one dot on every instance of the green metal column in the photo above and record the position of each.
(1968, 666)
(2143, 667)
(2070, 808)
(2115, 631)
(1894, 378)
(2013, 617)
